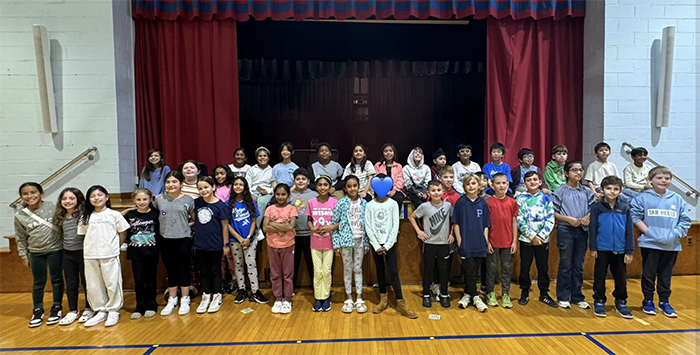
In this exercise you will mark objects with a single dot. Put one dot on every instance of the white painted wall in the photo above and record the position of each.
(631, 29)
(93, 79)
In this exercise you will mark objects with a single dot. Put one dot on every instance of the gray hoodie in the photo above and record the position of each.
(35, 237)
(416, 177)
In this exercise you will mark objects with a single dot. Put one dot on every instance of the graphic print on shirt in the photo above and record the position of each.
(204, 215)
(144, 232)
(437, 220)
(241, 215)
(300, 205)
(380, 220)
(356, 216)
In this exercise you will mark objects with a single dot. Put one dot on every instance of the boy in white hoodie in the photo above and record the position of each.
(416, 176)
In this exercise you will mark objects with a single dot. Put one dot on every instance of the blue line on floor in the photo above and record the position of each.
(150, 348)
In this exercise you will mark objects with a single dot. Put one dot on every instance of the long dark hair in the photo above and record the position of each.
(229, 175)
(568, 166)
(383, 161)
(362, 162)
(246, 197)
(32, 184)
(148, 168)
(273, 200)
(89, 208)
(61, 212)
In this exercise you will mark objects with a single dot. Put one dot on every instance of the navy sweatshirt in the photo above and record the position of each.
(611, 229)
(472, 217)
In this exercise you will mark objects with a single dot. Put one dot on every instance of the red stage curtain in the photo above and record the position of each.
(534, 86)
(187, 90)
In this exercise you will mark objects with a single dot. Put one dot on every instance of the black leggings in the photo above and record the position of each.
(210, 270)
(392, 263)
(74, 272)
(302, 245)
(176, 258)
(39, 262)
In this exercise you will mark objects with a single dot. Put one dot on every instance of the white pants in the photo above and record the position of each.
(104, 284)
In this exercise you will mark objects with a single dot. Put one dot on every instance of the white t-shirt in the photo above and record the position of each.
(461, 171)
(597, 171)
(356, 218)
(242, 171)
(102, 234)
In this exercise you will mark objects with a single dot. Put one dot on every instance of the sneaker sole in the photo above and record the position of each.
(52, 322)
(602, 315)
(259, 301)
(238, 302)
(34, 325)
(672, 315)
(651, 313)
(523, 303)
(623, 315)
(507, 306)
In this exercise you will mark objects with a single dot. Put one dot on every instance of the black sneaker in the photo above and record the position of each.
(55, 315)
(426, 301)
(37, 318)
(445, 301)
(242, 295)
(233, 287)
(258, 297)
(524, 298)
(548, 301)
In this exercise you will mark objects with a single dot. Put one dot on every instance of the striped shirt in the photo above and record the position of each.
(573, 202)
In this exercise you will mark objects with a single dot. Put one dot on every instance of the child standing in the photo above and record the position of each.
(320, 216)
(662, 218)
(210, 241)
(464, 166)
(259, 179)
(535, 223)
(527, 159)
(40, 246)
(278, 223)
(223, 178)
(143, 252)
(300, 197)
(599, 169)
(326, 166)
(389, 167)
(153, 173)
(70, 206)
(503, 238)
(440, 161)
(350, 239)
(611, 236)
(447, 179)
(243, 211)
(382, 223)
(416, 176)
(239, 167)
(363, 169)
(471, 229)
(636, 175)
(436, 216)
(572, 203)
(283, 172)
(554, 171)
(190, 171)
(104, 230)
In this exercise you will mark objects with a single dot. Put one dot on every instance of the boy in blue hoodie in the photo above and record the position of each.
(662, 217)
(611, 240)
(471, 228)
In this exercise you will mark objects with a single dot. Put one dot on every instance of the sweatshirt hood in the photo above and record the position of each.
(412, 163)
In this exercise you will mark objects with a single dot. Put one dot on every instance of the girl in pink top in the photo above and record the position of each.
(223, 177)
(388, 165)
(278, 224)
(320, 215)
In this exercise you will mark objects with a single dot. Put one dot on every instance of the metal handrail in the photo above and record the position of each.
(89, 153)
(692, 190)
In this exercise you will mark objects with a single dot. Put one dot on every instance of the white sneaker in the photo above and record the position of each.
(348, 306)
(277, 307)
(172, 303)
(69, 318)
(436, 292)
(204, 304)
(480, 305)
(184, 305)
(286, 307)
(97, 319)
(136, 315)
(215, 304)
(149, 314)
(464, 301)
(112, 319)
(564, 304)
(360, 306)
(87, 314)
(584, 305)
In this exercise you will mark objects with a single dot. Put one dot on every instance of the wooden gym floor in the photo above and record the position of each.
(531, 329)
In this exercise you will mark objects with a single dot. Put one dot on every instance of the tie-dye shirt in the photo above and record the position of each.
(535, 216)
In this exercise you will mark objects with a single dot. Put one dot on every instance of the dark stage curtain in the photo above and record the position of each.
(242, 10)
(187, 90)
(534, 84)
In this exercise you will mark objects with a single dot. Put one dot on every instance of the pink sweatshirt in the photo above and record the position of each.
(396, 174)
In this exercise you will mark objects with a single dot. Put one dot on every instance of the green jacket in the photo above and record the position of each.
(554, 175)
(35, 237)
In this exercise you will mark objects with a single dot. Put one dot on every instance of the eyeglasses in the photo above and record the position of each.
(528, 156)
(576, 170)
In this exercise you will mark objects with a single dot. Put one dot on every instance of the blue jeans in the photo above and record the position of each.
(572, 243)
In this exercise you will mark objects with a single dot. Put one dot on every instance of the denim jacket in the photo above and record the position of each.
(343, 237)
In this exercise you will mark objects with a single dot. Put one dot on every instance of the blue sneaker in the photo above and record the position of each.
(648, 307)
(326, 305)
(621, 308)
(317, 306)
(667, 309)
(599, 309)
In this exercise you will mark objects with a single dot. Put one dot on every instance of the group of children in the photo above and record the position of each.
(328, 210)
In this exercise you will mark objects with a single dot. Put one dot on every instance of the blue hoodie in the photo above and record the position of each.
(666, 218)
(611, 229)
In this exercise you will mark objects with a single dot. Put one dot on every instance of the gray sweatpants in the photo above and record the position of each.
(505, 258)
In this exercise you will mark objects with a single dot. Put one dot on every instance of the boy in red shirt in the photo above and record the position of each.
(503, 238)
(447, 178)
